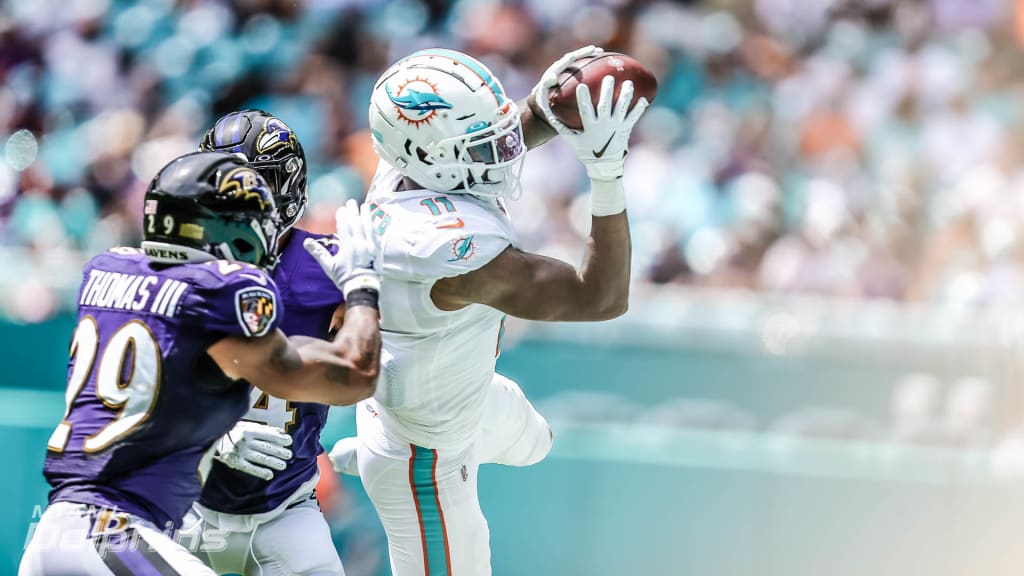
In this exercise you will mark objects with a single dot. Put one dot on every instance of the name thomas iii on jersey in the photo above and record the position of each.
(119, 291)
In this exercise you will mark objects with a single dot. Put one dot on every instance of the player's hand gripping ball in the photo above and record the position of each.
(599, 122)
(591, 69)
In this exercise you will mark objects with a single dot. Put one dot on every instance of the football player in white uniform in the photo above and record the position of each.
(451, 144)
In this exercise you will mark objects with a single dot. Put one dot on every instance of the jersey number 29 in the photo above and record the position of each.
(127, 380)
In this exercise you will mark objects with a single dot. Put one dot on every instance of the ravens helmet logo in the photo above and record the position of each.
(275, 134)
(244, 183)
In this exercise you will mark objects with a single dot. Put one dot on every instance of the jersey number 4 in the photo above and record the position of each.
(269, 410)
(127, 380)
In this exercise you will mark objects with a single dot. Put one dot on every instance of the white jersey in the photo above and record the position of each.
(436, 366)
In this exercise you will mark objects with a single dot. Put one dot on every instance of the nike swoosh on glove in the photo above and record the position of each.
(603, 143)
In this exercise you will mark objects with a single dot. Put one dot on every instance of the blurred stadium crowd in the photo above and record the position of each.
(852, 148)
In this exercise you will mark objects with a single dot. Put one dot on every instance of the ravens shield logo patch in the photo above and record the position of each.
(257, 310)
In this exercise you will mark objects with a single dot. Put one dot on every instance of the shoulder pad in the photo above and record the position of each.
(239, 299)
(443, 247)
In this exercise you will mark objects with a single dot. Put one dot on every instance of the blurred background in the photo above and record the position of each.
(819, 373)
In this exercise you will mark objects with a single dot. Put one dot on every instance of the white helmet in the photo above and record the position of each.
(442, 119)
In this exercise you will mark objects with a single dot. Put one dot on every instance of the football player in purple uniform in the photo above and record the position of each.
(260, 493)
(169, 339)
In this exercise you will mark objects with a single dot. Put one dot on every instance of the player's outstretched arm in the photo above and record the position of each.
(341, 371)
(536, 287)
(540, 288)
(309, 369)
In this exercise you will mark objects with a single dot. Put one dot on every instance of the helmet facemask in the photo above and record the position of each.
(253, 242)
(287, 179)
(485, 161)
(490, 156)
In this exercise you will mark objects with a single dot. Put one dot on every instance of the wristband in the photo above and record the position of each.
(365, 280)
(607, 197)
(362, 297)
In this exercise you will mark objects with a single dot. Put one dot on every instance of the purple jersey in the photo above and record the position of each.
(144, 399)
(311, 299)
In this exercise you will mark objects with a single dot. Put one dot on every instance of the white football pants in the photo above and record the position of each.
(427, 500)
(294, 540)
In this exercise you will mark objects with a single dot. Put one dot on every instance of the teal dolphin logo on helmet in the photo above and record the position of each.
(421, 102)
(417, 106)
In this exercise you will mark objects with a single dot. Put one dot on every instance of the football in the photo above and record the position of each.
(590, 70)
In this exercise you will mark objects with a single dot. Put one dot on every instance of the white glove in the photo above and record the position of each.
(354, 267)
(549, 79)
(602, 144)
(344, 455)
(255, 449)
